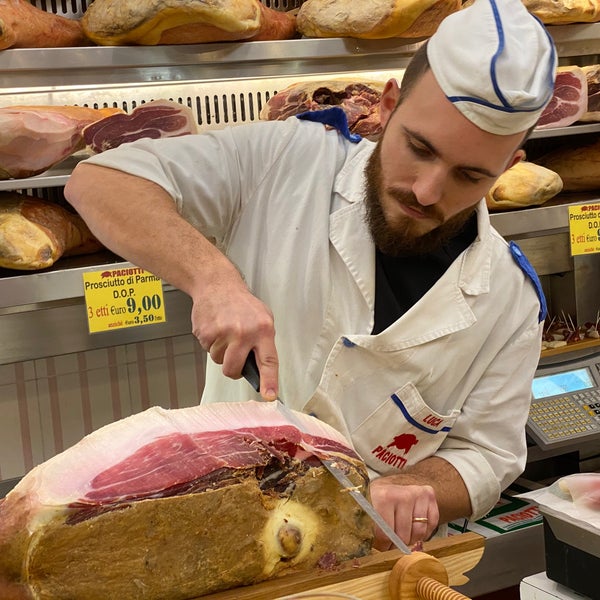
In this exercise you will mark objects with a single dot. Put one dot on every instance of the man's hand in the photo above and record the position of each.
(230, 322)
(431, 489)
(411, 510)
(227, 319)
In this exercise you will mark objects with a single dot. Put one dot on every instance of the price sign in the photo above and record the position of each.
(584, 228)
(119, 298)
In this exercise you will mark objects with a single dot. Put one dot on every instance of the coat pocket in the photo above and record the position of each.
(401, 431)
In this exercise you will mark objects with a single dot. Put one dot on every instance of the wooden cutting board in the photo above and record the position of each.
(366, 577)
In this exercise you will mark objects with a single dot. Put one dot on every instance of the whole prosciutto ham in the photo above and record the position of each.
(34, 138)
(153, 22)
(174, 504)
(358, 99)
(22, 25)
(569, 100)
(155, 119)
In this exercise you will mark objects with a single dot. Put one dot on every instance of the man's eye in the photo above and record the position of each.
(470, 178)
(418, 149)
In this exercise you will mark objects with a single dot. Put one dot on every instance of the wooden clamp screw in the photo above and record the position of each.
(420, 576)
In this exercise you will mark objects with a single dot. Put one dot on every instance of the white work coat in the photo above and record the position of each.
(451, 377)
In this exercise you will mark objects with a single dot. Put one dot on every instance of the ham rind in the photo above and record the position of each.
(358, 100)
(23, 25)
(34, 138)
(155, 119)
(569, 100)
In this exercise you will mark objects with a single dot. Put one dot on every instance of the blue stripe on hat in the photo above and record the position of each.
(505, 104)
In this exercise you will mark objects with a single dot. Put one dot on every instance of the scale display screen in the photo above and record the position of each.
(562, 383)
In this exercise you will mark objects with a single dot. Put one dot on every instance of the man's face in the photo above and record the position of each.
(429, 169)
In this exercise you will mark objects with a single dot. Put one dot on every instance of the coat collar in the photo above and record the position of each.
(469, 275)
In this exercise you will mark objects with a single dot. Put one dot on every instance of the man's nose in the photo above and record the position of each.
(429, 183)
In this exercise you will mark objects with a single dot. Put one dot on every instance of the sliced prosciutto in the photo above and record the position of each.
(230, 492)
(569, 100)
(358, 99)
(583, 489)
(34, 138)
(155, 119)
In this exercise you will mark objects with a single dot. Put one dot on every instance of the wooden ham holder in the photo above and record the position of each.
(389, 575)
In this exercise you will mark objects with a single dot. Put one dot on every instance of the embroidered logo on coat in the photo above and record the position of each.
(390, 453)
(404, 442)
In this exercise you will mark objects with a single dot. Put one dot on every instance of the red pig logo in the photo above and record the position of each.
(404, 442)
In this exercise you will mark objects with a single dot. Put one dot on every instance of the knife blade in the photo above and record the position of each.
(251, 374)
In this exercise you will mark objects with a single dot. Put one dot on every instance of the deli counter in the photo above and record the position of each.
(43, 317)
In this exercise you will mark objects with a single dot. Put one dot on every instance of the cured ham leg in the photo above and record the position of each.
(358, 99)
(22, 25)
(34, 233)
(180, 503)
(569, 99)
(153, 22)
(34, 138)
(155, 119)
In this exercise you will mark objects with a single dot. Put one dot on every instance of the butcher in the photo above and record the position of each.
(365, 277)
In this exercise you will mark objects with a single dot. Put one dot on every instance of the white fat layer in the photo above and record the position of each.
(66, 477)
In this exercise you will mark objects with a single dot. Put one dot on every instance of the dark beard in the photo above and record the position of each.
(402, 238)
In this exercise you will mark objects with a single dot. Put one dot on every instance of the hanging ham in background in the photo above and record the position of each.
(592, 75)
(577, 163)
(153, 22)
(155, 119)
(22, 25)
(358, 98)
(35, 233)
(524, 184)
(564, 12)
(376, 19)
(179, 503)
(569, 101)
(34, 138)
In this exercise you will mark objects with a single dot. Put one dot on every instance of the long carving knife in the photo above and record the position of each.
(252, 376)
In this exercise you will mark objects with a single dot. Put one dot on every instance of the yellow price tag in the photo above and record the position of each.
(584, 228)
(119, 298)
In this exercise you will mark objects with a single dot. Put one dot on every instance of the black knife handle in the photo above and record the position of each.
(250, 371)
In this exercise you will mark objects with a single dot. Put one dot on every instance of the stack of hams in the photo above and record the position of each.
(35, 233)
(146, 22)
(152, 22)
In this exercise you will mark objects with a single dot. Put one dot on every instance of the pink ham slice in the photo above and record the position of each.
(155, 119)
(569, 101)
(584, 489)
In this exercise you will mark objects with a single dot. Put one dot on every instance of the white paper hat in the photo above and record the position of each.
(496, 62)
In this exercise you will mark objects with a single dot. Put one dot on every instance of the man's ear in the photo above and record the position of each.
(389, 100)
(518, 157)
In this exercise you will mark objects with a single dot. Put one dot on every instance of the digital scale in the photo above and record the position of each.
(565, 404)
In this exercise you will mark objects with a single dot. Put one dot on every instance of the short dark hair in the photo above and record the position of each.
(417, 67)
